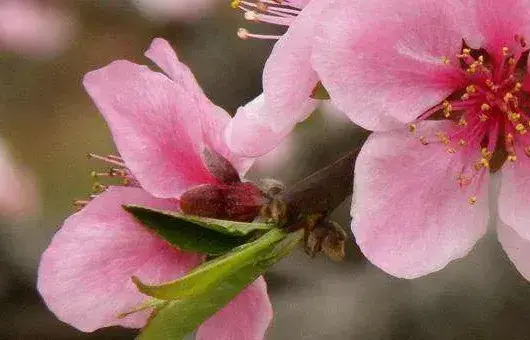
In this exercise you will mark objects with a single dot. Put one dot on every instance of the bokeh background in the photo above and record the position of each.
(49, 124)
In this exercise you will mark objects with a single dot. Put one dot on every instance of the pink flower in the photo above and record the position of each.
(160, 124)
(457, 71)
(32, 28)
(18, 192)
(288, 76)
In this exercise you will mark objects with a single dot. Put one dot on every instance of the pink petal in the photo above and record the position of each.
(247, 317)
(299, 3)
(514, 195)
(250, 132)
(517, 248)
(214, 119)
(288, 76)
(381, 60)
(163, 55)
(498, 22)
(154, 124)
(85, 274)
(410, 217)
(31, 28)
(214, 126)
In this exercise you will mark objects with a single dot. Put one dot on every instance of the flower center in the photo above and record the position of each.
(490, 113)
(276, 12)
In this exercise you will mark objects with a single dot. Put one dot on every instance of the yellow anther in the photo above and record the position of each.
(442, 137)
(482, 117)
(513, 116)
(462, 142)
(466, 51)
(448, 109)
(262, 6)
(463, 180)
(412, 128)
(511, 61)
(451, 150)
(423, 140)
(481, 59)
(462, 122)
(508, 96)
(251, 16)
(235, 4)
(505, 51)
(512, 158)
(486, 153)
(472, 68)
(446, 60)
(517, 87)
(471, 89)
(243, 33)
(473, 200)
(520, 128)
(485, 163)
(485, 107)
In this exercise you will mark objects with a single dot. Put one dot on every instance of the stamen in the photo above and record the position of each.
(244, 34)
(273, 12)
(109, 159)
(521, 128)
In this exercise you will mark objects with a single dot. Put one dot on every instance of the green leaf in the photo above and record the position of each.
(188, 234)
(200, 294)
(320, 92)
(232, 228)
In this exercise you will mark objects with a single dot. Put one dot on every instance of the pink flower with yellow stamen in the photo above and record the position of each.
(456, 72)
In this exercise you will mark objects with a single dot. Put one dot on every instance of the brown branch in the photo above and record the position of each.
(324, 190)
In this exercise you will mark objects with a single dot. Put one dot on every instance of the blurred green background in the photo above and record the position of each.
(50, 124)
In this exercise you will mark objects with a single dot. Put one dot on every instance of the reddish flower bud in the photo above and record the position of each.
(220, 167)
(238, 202)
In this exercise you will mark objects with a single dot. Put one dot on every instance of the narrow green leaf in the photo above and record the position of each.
(186, 235)
(202, 277)
(232, 228)
(225, 277)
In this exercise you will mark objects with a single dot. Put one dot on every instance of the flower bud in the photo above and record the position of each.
(237, 202)
(219, 166)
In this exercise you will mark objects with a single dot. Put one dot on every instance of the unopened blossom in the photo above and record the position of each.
(35, 27)
(456, 72)
(288, 77)
(18, 192)
(161, 124)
